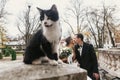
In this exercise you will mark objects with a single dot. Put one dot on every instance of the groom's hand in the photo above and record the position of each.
(96, 75)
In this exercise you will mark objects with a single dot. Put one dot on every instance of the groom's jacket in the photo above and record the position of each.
(87, 59)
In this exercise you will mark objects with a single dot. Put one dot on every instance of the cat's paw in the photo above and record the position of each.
(53, 62)
(60, 61)
(36, 62)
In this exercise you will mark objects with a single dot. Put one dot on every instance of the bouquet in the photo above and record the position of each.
(65, 52)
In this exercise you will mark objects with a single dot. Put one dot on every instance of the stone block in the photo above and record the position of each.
(17, 70)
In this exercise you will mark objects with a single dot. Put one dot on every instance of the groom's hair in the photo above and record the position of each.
(79, 35)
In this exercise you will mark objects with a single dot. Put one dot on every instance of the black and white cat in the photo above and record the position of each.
(43, 46)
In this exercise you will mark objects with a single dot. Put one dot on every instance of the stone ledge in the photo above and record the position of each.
(17, 70)
(106, 76)
(111, 72)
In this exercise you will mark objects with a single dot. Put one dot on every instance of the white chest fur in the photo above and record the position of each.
(53, 33)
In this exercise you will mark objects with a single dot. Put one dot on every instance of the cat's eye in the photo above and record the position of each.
(41, 18)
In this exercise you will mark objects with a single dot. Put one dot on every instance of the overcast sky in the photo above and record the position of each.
(15, 7)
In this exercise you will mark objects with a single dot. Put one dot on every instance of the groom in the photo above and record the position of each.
(86, 57)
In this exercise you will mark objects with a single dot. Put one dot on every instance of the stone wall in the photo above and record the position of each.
(17, 70)
(109, 60)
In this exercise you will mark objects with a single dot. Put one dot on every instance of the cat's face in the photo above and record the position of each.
(49, 17)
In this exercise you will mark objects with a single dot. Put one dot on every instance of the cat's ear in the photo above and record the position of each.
(54, 8)
(40, 10)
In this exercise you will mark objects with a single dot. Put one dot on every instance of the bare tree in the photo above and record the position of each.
(3, 13)
(76, 12)
(2, 17)
(95, 25)
(102, 23)
(108, 21)
(2, 10)
(28, 25)
(90, 21)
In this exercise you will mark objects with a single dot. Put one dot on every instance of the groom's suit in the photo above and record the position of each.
(87, 59)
